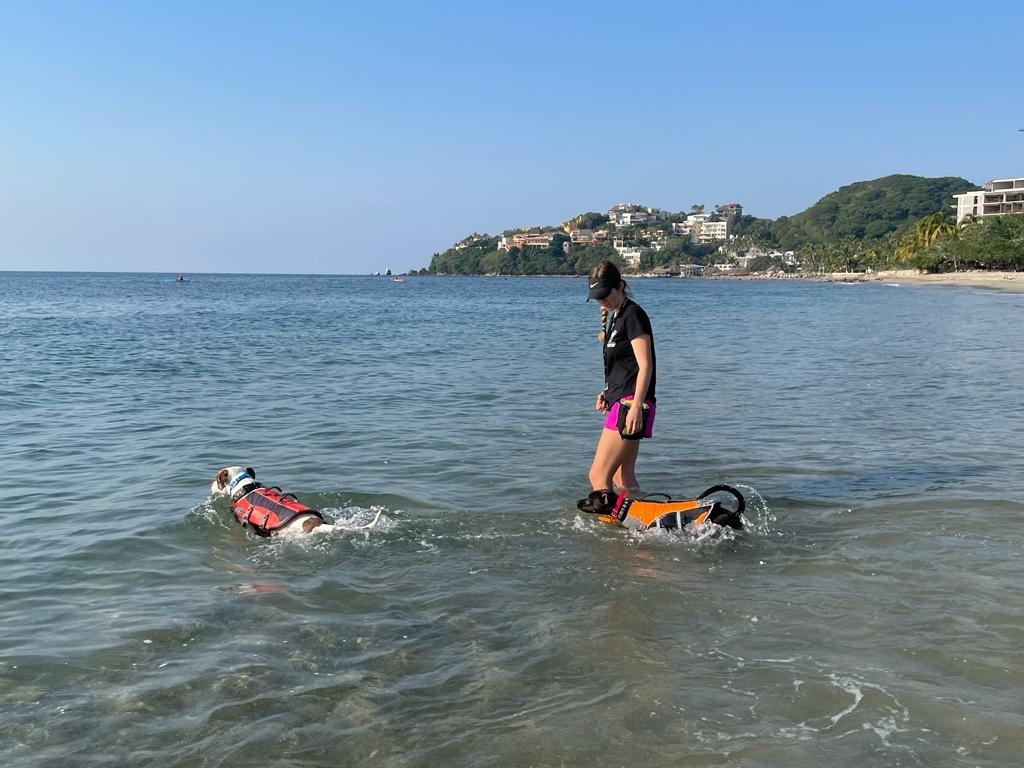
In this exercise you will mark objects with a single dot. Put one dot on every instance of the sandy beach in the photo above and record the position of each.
(1003, 281)
(1011, 282)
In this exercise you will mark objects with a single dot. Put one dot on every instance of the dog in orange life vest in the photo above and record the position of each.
(651, 512)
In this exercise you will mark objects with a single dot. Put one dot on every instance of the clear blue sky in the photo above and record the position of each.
(341, 137)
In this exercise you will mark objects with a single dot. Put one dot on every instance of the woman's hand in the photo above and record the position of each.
(634, 420)
(601, 404)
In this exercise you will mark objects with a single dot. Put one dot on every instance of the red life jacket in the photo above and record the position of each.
(265, 510)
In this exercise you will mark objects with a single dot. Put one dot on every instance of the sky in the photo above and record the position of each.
(345, 138)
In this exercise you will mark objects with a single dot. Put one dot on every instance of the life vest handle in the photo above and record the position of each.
(741, 504)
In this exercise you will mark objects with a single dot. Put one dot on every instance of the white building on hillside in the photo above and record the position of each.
(998, 197)
(712, 231)
(628, 250)
(700, 229)
(631, 214)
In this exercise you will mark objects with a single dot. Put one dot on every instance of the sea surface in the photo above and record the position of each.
(870, 615)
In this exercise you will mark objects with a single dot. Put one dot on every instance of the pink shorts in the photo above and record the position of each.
(612, 421)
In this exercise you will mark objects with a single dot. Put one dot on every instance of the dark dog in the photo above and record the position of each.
(665, 513)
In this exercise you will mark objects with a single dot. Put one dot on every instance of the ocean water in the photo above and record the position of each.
(869, 615)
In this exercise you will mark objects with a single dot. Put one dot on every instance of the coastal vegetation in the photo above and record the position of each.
(895, 222)
(864, 211)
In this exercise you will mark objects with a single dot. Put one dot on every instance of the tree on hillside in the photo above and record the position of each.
(464, 257)
(589, 220)
(755, 230)
(498, 263)
(585, 258)
(768, 264)
(649, 259)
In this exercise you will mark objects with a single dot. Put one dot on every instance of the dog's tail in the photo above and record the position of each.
(368, 525)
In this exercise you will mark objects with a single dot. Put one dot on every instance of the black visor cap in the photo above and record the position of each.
(600, 289)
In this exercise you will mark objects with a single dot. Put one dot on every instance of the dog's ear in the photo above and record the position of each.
(251, 471)
(222, 478)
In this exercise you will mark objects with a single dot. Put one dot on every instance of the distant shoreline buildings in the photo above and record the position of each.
(998, 197)
(894, 220)
(697, 226)
(631, 229)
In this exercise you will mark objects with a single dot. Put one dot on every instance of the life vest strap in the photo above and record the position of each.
(245, 489)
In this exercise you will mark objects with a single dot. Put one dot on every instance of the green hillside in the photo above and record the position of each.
(868, 210)
(859, 224)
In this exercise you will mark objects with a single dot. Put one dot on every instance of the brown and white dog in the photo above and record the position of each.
(267, 511)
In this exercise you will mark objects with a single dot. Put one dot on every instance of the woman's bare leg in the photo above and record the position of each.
(625, 476)
(614, 462)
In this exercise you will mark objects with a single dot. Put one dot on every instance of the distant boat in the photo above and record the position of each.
(388, 271)
(397, 280)
(180, 278)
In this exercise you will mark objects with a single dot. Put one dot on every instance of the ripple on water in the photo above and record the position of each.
(868, 613)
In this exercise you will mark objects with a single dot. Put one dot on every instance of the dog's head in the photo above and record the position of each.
(230, 479)
(598, 503)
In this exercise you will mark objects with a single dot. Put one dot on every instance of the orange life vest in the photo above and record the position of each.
(639, 514)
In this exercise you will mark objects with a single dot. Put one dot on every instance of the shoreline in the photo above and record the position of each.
(1008, 282)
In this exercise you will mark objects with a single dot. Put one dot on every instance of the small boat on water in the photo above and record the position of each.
(397, 279)
(180, 278)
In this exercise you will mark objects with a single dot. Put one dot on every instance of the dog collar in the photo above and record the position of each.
(245, 488)
(239, 478)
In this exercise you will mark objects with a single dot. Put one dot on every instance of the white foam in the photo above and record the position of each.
(347, 519)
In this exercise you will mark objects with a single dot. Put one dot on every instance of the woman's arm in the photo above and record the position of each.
(645, 369)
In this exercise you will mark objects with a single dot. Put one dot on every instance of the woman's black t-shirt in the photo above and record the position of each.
(620, 365)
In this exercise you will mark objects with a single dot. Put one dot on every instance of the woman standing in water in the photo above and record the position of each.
(629, 377)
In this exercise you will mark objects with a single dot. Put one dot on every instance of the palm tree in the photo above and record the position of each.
(931, 228)
(907, 247)
(967, 221)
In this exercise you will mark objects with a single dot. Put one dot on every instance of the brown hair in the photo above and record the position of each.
(606, 271)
